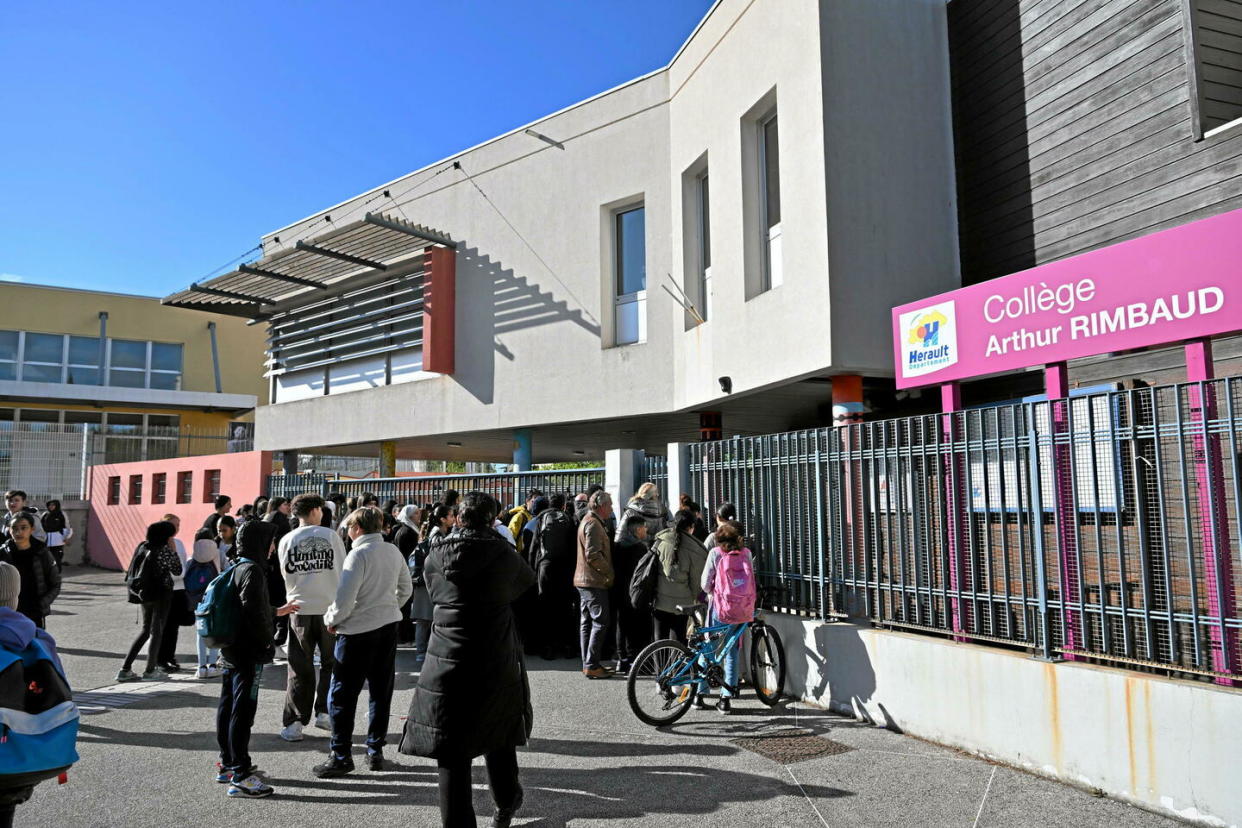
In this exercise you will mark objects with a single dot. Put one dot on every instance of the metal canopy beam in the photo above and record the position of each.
(228, 294)
(283, 277)
(409, 230)
(344, 257)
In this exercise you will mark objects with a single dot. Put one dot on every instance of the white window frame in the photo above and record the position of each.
(703, 216)
(69, 366)
(770, 236)
(21, 353)
(16, 362)
(636, 301)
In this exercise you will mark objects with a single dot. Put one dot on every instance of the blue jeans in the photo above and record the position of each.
(731, 661)
(368, 657)
(206, 656)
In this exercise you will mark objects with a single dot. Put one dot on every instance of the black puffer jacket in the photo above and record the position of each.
(253, 644)
(40, 578)
(473, 696)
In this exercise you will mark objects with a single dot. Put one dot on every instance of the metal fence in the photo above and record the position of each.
(509, 488)
(48, 460)
(1105, 526)
(655, 470)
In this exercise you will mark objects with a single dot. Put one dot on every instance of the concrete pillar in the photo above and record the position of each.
(388, 458)
(289, 459)
(522, 449)
(711, 426)
(678, 472)
(847, 399)
(622, 469)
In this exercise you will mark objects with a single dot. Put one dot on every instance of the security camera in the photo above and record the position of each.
(726, 384)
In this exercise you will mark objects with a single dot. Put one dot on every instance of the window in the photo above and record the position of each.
(159, 487)
(770, 202)
(83, 418)
(83, 360)
(630, 271)
(211, 485)
(135, 489)
(127, 364)
(114, 491)
(43, 358)
(41, 419)
(697, 236)
(185, 487)
(1216, 37)
(165, 366)
(9, 341)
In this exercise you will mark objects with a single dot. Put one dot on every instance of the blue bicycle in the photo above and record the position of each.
(667, 675)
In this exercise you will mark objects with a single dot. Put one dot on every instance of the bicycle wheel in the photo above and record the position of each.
(767, 664)
(653, 698)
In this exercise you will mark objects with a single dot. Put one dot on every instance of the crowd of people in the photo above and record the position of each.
(334, 585)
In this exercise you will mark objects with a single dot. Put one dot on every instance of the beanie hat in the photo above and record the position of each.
(10, 585)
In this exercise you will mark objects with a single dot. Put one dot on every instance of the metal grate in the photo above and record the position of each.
(1102, 525)
(790, 746)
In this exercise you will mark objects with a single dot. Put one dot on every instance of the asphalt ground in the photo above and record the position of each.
(148, 752)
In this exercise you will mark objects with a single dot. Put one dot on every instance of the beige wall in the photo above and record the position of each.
(61, 310)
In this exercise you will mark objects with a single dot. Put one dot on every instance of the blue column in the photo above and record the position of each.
(522, 449)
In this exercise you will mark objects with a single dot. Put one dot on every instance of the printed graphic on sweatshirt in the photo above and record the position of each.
(311, 554)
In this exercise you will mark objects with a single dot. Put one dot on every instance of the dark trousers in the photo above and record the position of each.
(239, 699)
(58, 554)
(594, 626)
(154, 617)
(558, 613)
(633, 631)
(304, 694)
(282, 628)
(669, 625)
(177, 608)
(369, 657)
(456, 806)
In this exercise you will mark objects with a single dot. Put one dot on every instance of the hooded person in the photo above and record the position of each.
(243, 659)
(202, 569)
(473, 697)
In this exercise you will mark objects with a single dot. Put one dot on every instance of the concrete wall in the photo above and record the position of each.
(113, 531)
(1166, 745)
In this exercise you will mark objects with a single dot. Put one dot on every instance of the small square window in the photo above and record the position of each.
(185, 487)
(135, 489)
(159, 487)
(114, 491)
(129, 354)
(211, 485)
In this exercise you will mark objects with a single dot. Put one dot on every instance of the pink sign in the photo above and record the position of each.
(1183, 283)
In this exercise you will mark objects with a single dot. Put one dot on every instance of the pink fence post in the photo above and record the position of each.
(1056, 387)
(950, 402)
(1212, 514)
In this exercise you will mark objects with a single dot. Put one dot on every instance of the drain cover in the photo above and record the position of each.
(789, 746)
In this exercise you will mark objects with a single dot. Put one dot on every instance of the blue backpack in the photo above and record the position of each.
(217, 617)
(198, 576)
(38, 718)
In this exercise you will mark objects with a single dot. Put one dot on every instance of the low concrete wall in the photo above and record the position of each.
(1170, 746)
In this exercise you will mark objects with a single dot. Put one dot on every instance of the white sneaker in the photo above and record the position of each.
(252, 786)
(292, 733)
(213, 671)
(201, 672)
(324, 722)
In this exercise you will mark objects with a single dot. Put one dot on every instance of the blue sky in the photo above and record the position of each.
(145, 144)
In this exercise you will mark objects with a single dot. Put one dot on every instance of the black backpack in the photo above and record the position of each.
(145, 580)
(645, 581)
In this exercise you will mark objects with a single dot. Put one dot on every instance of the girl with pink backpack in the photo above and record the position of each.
(729, 583)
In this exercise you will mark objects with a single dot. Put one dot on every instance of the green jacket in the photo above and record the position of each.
(682, 558)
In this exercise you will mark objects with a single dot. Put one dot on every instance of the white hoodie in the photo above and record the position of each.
(311, 559)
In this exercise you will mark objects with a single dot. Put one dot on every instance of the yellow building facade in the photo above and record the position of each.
(125, 363)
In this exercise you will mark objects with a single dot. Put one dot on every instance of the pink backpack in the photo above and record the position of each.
(733, 588)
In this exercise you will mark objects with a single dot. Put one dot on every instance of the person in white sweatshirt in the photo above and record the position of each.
(311, 560)
(375, 584)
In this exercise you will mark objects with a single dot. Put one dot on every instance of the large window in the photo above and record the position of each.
(770, 201)
(703, 214)
(1216, 73)
(630, 272)
(62, 358)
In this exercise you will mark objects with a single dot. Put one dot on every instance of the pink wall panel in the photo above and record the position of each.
(113, 531)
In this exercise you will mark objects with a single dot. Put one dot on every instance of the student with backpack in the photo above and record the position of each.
(34, 691)
(683, 561)
(150, 583)
(729, 581)
(203, 568)
(236, 614)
